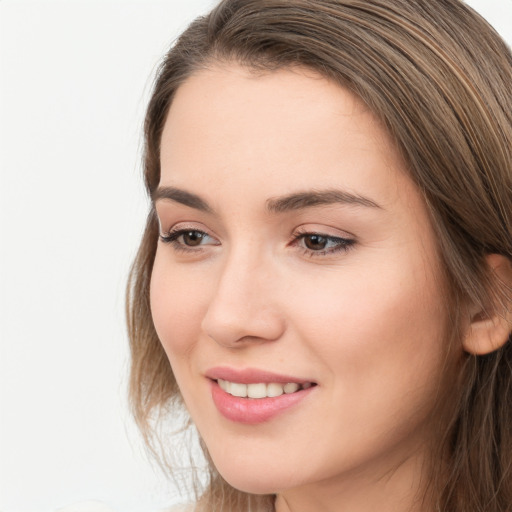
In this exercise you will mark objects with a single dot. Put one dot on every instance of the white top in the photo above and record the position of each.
(96, 506)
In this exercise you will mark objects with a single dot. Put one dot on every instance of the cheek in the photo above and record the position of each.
(178, 303)
(380, 341)
(372, 329)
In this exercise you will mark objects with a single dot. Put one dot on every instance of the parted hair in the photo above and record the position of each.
(439, 78)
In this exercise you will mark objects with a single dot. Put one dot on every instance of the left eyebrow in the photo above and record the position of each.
(309, 199)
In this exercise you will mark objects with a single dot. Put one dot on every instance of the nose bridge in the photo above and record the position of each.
(243, 306)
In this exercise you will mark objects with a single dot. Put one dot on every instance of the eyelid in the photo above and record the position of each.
(172, 235)
(327, 231)
(343, 241)
(184, 226)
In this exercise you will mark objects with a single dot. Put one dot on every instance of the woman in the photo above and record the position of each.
(324, 280)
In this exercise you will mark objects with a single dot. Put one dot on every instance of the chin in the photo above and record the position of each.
(260, 478)
(254, 483)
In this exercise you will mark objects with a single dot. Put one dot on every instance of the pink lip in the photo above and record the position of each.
(251, 376)
(248, 410)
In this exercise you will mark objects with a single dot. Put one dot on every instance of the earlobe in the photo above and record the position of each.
(490, 329)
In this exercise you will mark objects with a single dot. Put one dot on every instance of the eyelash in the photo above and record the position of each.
(172, 238)
(341, 244)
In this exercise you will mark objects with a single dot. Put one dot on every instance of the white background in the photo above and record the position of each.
(74, 82)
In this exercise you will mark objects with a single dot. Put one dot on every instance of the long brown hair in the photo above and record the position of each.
(440, 79)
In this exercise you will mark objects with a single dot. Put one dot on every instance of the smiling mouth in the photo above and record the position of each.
(262, 389)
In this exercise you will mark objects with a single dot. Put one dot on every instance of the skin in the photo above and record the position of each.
(367, 323)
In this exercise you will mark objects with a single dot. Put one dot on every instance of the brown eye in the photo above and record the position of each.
(192, 238)
(188, 239)
(315, 242)
(319, 244)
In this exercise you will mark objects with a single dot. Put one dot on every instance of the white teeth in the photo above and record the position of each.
(257, 390)
(260, 390)
(238, 389)
(274, 389)
(291, 387)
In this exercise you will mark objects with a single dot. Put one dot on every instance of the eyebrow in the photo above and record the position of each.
(291, 202)
(309, 199)
(182, 197)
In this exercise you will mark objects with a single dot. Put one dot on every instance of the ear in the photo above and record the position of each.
(490, 327)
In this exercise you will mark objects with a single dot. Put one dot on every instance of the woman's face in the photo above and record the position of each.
(296, 259)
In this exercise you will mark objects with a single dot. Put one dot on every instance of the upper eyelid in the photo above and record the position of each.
(326, 231)
(186, 226)
(302, 236)
(185, 229)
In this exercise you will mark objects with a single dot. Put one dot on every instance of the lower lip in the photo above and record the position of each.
(254, 410)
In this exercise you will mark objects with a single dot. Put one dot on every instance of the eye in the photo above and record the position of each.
(315, 242)
(319, 244)
(188, 239)
(192, 238)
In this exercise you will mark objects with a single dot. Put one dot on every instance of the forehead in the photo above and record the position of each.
(289, 129)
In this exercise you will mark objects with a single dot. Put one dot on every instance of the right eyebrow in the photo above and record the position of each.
(181, 196)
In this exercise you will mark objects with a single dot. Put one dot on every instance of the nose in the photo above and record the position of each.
(244, 308)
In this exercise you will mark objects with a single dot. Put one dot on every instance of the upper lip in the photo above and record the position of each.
(251, 376)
